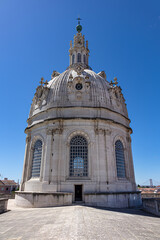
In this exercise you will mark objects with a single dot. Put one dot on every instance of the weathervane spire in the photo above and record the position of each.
(79, 27)
(79, 19)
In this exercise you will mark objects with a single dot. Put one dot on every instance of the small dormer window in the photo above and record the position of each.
(79, 58)
(84, 58)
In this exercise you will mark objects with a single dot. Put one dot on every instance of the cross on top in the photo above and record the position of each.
(41, 82)
(79, 20)
(115, 81)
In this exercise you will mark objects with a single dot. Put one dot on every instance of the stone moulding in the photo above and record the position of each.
(86, 118)
(99, 199)
(107, 193)
(64, 107)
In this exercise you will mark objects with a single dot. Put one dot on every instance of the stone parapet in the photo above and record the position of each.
(37, 199)
(113, 199)
(150, 195)
(3, 204)
(152, 205)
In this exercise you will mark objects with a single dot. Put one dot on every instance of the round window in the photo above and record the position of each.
(79, 86)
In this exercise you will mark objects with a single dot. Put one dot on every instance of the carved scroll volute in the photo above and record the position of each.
(49, 131)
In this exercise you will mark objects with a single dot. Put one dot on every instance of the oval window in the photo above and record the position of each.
(79, 86)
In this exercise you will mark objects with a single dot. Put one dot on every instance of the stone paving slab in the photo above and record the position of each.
(77, 222)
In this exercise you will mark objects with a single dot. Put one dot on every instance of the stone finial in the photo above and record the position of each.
(111, 83)
(41, 82)
(46, 83)
(87, 44)
(115, 81)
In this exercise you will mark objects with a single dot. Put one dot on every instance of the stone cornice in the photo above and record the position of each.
(37, 114)
(60, 129)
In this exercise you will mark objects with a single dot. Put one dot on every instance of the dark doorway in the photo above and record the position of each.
(78, 192)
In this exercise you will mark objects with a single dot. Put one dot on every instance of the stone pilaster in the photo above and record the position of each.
(130, 162)
(102, 157)
(56, 159)
(47, 155)
(24, 175)
(110, 157)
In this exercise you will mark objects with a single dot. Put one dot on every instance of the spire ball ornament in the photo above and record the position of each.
(79, 28)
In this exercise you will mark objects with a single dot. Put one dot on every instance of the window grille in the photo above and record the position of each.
(120, 160)
(36, 160)
(78, 157)
(79, 57)
(73, 59)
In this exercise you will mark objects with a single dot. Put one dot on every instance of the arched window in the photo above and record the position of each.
(78, 157)
(120, 161)
(79, 57)
(84, 58)
(36, 160)
(73, 59)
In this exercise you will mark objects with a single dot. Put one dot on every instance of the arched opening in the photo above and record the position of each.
(78, 57)
(36, 160)
(78, 157)
(120, 160)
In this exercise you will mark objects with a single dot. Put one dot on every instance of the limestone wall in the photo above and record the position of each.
(35, 199)
(3, 204)
(114, 200)
(152, 205)
(101, 137)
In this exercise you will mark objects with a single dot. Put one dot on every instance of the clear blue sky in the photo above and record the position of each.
(124, 40)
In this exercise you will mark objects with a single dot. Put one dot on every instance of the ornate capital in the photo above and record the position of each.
(49, 131)
(28, 139)
(58, 130)
(99, 130)
(108, 132)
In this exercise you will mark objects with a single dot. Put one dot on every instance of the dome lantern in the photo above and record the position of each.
(79, 51)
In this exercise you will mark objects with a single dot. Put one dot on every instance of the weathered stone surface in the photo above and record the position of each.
(35, 199)
(152, 205)
(3, 204)
(77, 223)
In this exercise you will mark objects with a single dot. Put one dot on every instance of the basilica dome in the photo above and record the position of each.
(78, 144)
(79, 87)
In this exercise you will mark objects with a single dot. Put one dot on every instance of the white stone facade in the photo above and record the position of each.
(80, 102)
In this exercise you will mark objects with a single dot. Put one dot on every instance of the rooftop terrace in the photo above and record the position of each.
(77, 222)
